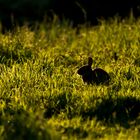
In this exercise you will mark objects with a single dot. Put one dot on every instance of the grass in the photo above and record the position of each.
(43, 97)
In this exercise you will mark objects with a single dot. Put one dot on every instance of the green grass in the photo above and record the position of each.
(43, 97)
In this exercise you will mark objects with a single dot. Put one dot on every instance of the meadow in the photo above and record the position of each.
(43, 98)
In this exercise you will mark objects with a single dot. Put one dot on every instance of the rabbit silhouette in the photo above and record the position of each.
(96, 76)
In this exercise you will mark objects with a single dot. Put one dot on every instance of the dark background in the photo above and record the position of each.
(77, 11)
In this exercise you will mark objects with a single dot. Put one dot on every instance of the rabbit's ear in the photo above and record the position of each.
(90, 61)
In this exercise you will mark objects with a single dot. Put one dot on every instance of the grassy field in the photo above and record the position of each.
(43, 98)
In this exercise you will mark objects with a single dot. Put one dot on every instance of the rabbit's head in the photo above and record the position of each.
(86, 70)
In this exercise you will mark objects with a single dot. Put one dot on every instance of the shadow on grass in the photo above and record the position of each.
(56, 105)
(121, 111)
(27, 126)
(137, 62)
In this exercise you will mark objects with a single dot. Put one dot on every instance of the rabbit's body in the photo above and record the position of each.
(97, 76)
(100, 76)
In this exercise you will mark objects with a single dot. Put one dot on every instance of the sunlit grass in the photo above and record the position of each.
(41, 93)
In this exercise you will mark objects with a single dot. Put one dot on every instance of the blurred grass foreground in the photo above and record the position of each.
(43, 98)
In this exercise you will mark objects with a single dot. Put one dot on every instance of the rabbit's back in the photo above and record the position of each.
(100, 76)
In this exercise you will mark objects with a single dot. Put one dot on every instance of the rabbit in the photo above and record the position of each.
(96, 76)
